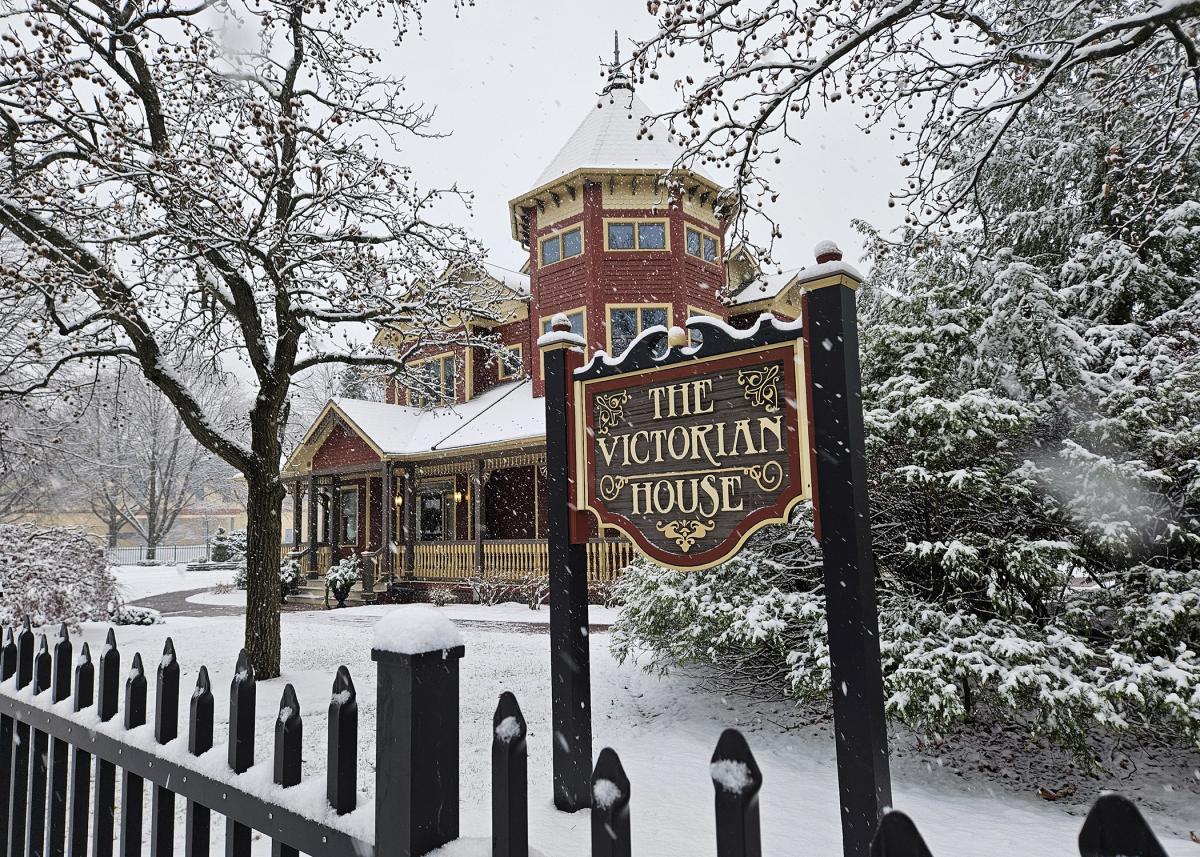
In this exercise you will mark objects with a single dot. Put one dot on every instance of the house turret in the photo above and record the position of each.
(611, 244)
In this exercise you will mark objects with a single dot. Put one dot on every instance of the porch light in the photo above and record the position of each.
(457, 496)
(398, 500)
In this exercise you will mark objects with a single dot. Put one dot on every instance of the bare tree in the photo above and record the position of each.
(937, 76)
(187, 205)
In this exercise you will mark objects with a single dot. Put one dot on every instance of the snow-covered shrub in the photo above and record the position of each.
(442, 596)
(239, 576)
(227, 546)
(129, 614)
(487, 591)
(53, 575)
(289, 578)
(342, 577)
(535, 589)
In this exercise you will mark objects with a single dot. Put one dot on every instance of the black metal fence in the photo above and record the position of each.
(59, 762)
(165, 554)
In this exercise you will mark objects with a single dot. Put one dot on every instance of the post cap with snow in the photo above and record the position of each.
(830, 270)
(560, 334)
(416, 629)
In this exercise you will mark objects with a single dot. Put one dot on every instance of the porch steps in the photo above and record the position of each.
(313, 592)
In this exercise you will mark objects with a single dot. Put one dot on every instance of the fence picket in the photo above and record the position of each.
(510, 780)
(610, 807)
(289, 735)
(736, 783)
(341, 775)
(105, 793)
(897, 836)
(20, 764)
(242, 695)
(197, 824)
(1115, 828)
(166, 729)
(60, 689)
(39, 768)
(81, 763)
(132, 786)
(8, 668)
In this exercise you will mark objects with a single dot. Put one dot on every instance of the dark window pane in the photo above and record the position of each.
(693, 242)
(550, 251)
(620, 236)
(652, 236)
(510, 362)
(349, 517)
(622, 328)
(710, 249)
(448, 378)
(430, 517)
(572, 243)
(654, 316)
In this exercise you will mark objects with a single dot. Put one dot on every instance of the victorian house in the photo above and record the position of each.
(458, 490)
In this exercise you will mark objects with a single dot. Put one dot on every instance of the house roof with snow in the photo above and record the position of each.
(506, 413)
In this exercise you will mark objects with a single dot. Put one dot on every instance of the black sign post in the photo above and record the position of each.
(570, 657)
(844, 530)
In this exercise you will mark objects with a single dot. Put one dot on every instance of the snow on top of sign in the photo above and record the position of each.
(505, 412)
(414, 629)
(608, 138)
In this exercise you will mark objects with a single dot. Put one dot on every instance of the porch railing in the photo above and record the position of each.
(515, 559)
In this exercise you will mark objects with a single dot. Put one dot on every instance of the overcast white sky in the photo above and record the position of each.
(511, 80)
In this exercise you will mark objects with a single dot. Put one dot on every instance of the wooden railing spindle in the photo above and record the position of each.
(105, 793)
(39, 761)
(18, 802)
(200, 741)
(8, 668)
(132, 786)
(60, 689)
(242, 694)
(81, 763)
(166, 729)
(341, 776)
(289, 736)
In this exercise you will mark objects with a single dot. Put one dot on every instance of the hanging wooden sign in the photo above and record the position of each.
(690, 451)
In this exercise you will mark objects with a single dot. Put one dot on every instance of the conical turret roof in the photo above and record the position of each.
(607, 138)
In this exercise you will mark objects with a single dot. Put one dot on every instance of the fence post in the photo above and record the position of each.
(60, 689)
(8, 668)
(289, 736)
(196, 829)
(736, 783)
(610, 807)
(39, 762)
(897, 836)
(131, 784)
(510, 780)
(166, 729)
(1115, 828)
(341, 773)
(20, 763)
(416, 747)
(242, 697)
(81, 767)
(105, 794)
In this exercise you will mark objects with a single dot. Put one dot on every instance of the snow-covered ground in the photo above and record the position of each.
(663, 728)
(143, 581)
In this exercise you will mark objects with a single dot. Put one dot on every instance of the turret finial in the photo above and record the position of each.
(617, 79)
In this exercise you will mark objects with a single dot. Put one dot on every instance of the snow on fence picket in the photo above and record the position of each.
(54, 708)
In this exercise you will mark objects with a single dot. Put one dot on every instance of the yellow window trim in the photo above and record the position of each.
(637, 221)
(608, 308)
(704, 233)
(506, 376)
(558, 233)
(542, 326)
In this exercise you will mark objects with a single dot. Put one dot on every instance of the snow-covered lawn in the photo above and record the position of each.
(663, 728)
(143, 581)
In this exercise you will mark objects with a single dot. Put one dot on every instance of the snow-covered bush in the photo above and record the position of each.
(486, 590)
(536, 589)
(342, 577)
(129, 614)
(289, 578)
(239, 576)
(53, 575)
(226, 546)
(442, 596)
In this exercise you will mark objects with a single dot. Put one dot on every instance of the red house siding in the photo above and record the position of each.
(343, 448)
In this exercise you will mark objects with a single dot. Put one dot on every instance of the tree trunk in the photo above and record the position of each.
(263, 508)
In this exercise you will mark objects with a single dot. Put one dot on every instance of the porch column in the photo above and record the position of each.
(335, 519)
(297, 514)
(408, 517)
(311, 565)
(477, 507)
(387, 508)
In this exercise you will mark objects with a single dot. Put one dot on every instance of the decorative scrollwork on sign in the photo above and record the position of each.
(611, 487)
(610, 409)
(685, 533)
(761, 387)
(769, 475)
